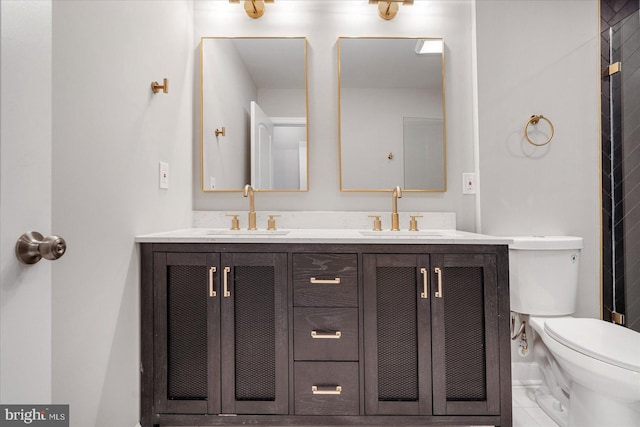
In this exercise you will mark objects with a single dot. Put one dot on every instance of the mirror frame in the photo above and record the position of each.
(306, 102)
(444, 118)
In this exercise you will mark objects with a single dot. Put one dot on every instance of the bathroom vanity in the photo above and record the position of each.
(324, 328)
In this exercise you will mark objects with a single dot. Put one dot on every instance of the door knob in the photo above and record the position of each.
(33, 246)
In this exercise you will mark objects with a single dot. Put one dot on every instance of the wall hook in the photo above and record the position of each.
(156, 87)
(220, 132)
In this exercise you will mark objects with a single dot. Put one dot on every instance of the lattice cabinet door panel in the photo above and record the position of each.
(254, 344)
(187, 330)
(465, 341)
(397, 334)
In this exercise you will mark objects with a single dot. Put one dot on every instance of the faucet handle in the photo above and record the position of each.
(271, 222)
(235, 222)
(377, 224)
(413, 223)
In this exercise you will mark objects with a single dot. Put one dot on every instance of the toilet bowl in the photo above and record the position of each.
(591, 368)
(599, 363)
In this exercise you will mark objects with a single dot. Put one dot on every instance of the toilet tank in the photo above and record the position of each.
(543, 274)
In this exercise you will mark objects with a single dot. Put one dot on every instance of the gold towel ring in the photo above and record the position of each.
(534, 121)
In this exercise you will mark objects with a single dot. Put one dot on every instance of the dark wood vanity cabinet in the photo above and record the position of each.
(324, 334)
(220, 340)
(431, 334)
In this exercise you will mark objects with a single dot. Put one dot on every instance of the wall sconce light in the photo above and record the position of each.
(388, 9)
(254, 8)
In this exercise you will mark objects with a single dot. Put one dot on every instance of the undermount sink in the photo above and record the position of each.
(247, 233)
(406, 233)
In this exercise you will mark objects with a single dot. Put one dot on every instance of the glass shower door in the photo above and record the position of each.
(621, 171)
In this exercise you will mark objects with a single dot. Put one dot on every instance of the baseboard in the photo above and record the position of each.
(525, 374)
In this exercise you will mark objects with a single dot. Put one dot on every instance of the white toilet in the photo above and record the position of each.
(591, 368)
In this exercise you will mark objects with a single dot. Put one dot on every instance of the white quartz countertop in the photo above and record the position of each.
(336, 236)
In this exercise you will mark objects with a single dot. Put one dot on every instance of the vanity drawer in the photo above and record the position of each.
(326, 388)
(325, 280)
(325, 333)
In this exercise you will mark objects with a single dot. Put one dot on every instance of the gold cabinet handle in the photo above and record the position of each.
(317, 389)
(439, 274)
(212, 288)
(326, 335)
(424, 294)
(226, 280)
(335, 281)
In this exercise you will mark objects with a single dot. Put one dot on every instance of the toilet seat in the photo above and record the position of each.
(597, 339)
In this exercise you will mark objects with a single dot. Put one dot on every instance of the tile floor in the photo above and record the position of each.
(526, 412)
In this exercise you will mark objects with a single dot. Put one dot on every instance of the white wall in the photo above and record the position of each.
(322, 22)
(109, 133)
(545, 62)
(25, 200)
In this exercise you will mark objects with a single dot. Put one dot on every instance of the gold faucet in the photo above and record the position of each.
(248, 192)
(395, 218)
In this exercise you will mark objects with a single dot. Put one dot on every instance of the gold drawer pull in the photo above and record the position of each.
(439, 274)
(315, 389)
(424, 294)
(335, 281)
(227, 294)
(212, 289)
(326, 335)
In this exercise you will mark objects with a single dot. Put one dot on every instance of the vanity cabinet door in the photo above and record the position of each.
(254, 345)
(465, 335)
(187, 329)
(397, 334)
(220, 342)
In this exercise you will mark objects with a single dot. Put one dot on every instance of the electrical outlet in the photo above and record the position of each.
(469, 183)
(164, 175)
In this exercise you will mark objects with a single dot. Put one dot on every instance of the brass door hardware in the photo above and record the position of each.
(534, 120)
(326, 335)
(425, 293)
(212, 289)
(157, 87)
(617, 318)
(220, 132)
(439, 274)
(226, 282)
(317, 389)
(612, 69)
(315, 281)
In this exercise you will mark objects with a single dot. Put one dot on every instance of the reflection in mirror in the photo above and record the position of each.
(392, 122)
(256, 88)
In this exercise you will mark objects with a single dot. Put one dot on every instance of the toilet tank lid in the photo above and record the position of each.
(546, 242)
(607, 342)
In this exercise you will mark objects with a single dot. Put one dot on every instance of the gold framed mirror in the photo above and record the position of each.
(392, 127)
(253, 104)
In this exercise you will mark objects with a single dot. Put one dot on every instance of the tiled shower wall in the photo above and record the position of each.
(620, 41)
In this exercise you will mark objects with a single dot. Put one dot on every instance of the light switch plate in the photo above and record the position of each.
(164, 175)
